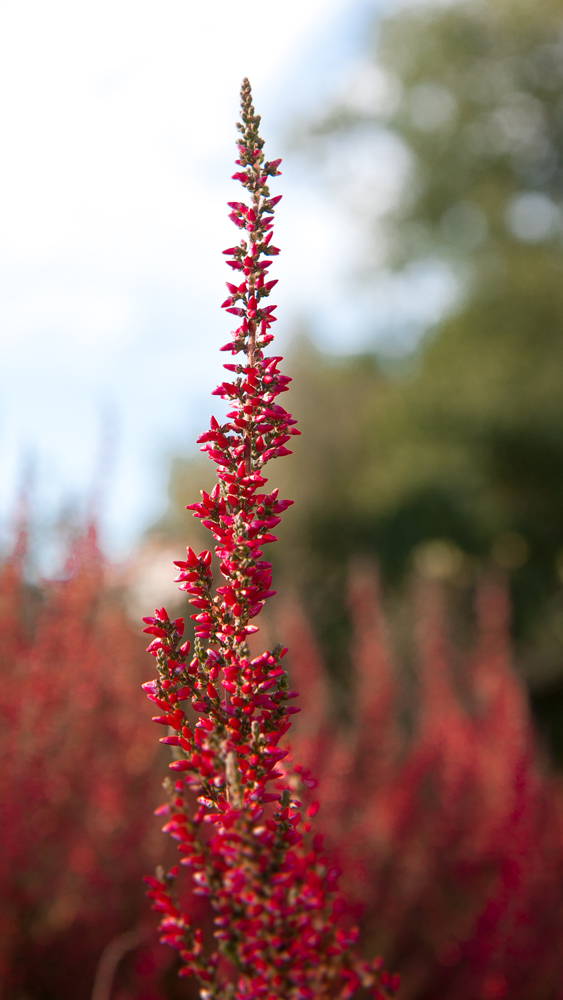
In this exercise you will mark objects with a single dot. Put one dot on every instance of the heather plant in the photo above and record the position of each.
(448, 829)
(251, 852)
(74, 794)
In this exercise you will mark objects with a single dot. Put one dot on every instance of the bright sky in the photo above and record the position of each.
(117, 125)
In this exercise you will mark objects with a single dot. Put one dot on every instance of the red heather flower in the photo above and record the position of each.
(449, 832)
(277, 910)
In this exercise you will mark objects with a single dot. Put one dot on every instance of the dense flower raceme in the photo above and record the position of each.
(277, 910)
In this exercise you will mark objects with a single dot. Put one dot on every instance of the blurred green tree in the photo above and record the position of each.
(467, 447)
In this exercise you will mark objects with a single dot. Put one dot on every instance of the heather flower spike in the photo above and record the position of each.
(232, 799)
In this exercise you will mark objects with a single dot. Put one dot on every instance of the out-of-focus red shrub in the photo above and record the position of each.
(449, 826)
(76, 798)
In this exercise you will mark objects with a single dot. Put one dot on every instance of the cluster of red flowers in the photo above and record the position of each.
(74, 793)
(449, 830)
(449, 833)
(273, 891)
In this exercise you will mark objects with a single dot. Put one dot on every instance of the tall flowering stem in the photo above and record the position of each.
(246, 842)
